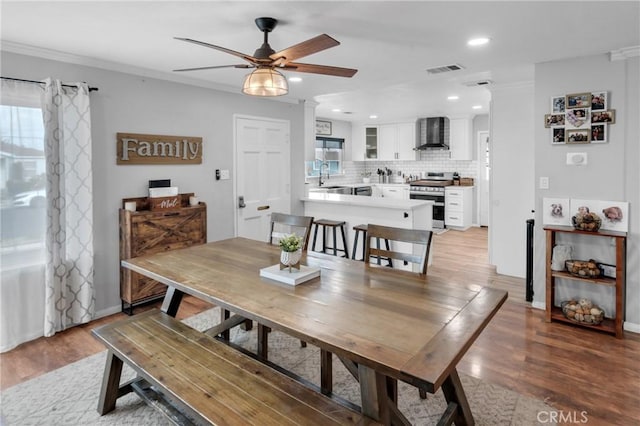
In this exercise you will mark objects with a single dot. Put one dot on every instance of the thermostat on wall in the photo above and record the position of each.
(576, 158)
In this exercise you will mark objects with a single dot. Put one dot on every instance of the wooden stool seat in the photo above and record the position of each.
(364, 228)
(333, 224)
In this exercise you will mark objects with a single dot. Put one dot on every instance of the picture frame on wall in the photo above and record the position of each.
(614, 214)
(599, 100)
(557, 104)
(577, 117)
(558, 135)
(608, 117)
(578, 135)
(598, 133)
(556, 211)
(553, 120)
(578, 100)
(323, 127)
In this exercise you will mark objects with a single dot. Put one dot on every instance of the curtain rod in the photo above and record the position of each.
(91, 89)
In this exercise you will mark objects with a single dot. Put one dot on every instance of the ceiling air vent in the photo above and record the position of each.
(446, 68)
(477, 83)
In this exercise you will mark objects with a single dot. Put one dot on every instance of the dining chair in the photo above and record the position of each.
(419, 237)
(283, 224)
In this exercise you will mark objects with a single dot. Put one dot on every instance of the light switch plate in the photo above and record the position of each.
(544, 182)
(224, 174)
(576, 159)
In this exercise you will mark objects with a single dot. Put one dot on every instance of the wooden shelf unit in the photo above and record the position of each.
(145, 232)
(554, 313)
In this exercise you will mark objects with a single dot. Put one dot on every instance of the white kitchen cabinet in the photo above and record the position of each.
(365, 143)
(460, 139)
(386, 142)
(398, 192)
(397, 141)
(458, 206)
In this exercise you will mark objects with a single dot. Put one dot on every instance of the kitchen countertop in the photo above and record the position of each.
(359, 200)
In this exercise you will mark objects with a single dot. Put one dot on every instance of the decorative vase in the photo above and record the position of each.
(290, 259)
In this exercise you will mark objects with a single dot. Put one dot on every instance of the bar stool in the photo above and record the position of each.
(363, 228)
(333, 224)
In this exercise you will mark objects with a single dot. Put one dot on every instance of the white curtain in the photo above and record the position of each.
(69, 291)
(47, 217)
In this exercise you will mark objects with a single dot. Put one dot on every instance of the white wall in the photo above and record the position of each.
(129, 103)
(512, 168)
(611, 173)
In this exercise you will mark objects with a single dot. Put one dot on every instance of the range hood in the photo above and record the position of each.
(432, 133)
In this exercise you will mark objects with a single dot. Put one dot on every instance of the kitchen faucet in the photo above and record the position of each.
(320, 182)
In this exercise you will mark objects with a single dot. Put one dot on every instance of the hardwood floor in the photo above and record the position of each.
(584, 374)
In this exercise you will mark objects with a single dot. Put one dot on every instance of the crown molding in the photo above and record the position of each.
(55, 55)
(624, 53)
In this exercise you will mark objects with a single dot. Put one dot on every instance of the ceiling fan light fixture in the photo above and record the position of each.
(265, 82)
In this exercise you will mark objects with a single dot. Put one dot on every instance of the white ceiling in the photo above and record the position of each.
(390, 43)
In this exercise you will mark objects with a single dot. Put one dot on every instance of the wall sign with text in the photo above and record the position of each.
(135, 148)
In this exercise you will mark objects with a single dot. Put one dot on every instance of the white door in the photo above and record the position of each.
(484, 174)
(262, 174)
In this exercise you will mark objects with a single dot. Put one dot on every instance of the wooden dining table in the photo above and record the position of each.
(383, 324)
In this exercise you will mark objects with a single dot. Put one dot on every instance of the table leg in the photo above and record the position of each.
(263, 341)
(225, 315)
(326, 372)
(171, 301)
(454, 393)
(373, 390)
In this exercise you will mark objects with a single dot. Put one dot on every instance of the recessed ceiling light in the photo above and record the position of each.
(478, 41)
(295, 79)
(453, 97)
(336, 110)
(373, 116)
(477, 107)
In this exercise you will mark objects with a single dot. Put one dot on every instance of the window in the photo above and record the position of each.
(329, 155)
(22, 186)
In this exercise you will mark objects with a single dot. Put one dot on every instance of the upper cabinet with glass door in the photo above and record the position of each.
(386, 142)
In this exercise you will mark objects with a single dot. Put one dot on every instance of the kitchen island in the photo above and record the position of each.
(357, 210)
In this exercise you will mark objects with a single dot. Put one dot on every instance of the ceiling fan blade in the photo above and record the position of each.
(215, 67)
(246, 57)
(303, 49)
(320, 69)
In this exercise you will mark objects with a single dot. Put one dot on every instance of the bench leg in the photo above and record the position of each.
(110, 384)
(225, 315)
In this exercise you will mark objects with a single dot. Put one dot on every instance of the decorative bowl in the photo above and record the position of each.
(583, 268)
(586, 221)
(582, 311)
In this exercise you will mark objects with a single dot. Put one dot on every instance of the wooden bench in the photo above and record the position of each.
(204, 381)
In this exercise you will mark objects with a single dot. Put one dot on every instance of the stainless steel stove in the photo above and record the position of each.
(432, 188)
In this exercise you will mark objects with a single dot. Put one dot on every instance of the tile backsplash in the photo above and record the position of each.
(430, 161)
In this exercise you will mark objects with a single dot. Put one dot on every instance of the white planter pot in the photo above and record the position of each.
(289, 258)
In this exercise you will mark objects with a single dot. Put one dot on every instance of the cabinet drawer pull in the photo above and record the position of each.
(263, 208)
(172, 214)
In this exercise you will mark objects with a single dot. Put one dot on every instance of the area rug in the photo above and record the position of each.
(69, 395)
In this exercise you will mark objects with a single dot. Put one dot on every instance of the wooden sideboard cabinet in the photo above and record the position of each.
(146, 232)
(611, 325)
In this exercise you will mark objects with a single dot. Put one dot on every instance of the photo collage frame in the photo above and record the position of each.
(580, 118)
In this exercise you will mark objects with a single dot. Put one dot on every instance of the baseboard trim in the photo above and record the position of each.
(108, 311)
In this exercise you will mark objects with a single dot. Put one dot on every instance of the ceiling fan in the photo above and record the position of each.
(266, 80)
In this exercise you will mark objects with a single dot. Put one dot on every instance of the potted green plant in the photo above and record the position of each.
(366, 176)
(290, 251)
